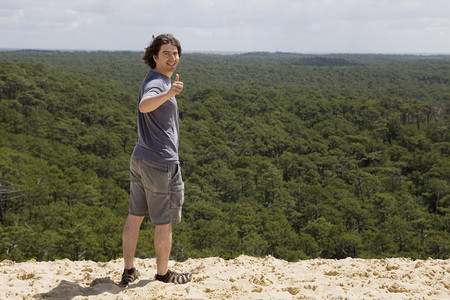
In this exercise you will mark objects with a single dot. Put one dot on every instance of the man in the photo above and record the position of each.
(156, 185)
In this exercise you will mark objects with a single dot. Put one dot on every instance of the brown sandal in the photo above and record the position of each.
(129, 276)
(174, 277)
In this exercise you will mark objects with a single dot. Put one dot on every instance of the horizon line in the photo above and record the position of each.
(230, 52)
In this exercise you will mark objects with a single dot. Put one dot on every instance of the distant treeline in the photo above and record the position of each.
(296, 156)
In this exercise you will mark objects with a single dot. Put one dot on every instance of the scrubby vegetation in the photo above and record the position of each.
(297, 156)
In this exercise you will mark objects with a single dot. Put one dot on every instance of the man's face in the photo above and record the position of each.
(167, 59)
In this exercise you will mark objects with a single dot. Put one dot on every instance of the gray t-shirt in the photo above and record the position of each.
(158, 131)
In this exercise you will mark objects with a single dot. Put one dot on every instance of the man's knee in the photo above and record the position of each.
(163, 230)
(133, 221)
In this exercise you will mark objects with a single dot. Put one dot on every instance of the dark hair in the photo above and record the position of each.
(155, 46)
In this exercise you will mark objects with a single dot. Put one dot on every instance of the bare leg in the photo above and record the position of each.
(129, 239)
(163, 245)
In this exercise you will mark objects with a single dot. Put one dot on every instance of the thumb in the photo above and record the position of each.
(177, 77)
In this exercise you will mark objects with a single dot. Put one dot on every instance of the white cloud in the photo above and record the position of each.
(399, 26)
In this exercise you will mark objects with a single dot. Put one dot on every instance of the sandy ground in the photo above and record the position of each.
(242, 278)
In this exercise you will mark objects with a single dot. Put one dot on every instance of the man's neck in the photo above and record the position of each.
(165, 74)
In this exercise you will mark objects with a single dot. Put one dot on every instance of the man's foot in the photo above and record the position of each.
(129, 276)
(174, 277)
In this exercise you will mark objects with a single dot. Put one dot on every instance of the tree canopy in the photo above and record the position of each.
(297, 156)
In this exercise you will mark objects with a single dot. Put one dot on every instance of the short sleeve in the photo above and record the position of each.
(153, 87)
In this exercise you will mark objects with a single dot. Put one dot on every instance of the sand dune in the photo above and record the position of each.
(242, 278)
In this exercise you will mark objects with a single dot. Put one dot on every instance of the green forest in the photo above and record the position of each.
(283, 154)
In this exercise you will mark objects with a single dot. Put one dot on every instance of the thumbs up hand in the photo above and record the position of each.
(177, 85)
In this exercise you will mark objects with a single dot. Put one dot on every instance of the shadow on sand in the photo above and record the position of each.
(68, 290)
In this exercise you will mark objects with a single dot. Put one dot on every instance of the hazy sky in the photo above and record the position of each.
(305, 26)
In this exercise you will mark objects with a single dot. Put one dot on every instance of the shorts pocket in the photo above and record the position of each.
(176, 189)
(177, 195)
(155, 177)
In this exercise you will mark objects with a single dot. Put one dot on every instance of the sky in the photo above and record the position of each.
(301, 26)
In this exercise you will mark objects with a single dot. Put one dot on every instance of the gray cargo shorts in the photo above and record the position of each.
(156, 190)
